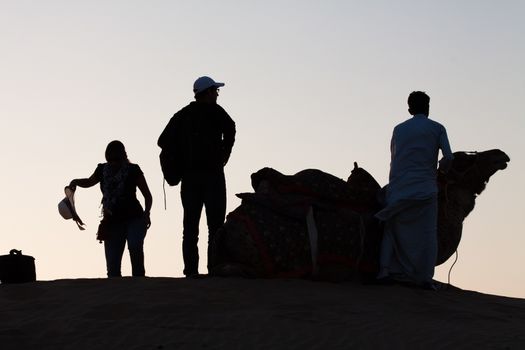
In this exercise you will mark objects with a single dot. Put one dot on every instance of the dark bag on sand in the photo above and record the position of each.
(17, 268)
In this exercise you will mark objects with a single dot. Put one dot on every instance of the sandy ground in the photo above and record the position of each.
(228, 313)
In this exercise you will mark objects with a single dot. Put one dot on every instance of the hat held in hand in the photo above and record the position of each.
(66, 208)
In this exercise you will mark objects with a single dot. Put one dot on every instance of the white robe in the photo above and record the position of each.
(409, 246)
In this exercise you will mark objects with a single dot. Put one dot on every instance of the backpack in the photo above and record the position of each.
(171, 142)
(171, 166)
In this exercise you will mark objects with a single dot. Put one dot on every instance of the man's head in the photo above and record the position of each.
(418, 103)
(206, 89)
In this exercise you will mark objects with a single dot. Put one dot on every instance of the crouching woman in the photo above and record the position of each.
(123, 219)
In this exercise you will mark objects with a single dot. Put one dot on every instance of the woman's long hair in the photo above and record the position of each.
(116, 152)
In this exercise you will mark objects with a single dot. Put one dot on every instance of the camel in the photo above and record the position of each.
(315, 225)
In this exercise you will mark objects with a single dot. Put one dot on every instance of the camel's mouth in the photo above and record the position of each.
(501, 162)
(494, 159)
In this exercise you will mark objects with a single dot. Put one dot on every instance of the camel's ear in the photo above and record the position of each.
(356, 166)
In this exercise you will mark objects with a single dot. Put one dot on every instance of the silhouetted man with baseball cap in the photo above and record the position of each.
(203, 134)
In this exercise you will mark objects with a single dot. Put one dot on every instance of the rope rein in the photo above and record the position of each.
(454, 263)
(164, 190)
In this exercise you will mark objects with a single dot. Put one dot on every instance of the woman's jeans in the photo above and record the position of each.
(133, 231)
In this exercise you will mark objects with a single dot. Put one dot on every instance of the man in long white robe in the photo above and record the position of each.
(409, 246)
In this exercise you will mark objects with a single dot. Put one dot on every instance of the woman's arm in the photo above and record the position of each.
(84, 183)
(148, 199)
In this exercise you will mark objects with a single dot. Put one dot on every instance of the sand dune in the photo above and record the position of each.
(217, 313)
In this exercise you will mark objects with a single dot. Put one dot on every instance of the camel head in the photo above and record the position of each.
(466, 179)
(472, 170)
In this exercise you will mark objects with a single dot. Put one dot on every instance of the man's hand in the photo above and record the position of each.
(148, 220)
(225, 157)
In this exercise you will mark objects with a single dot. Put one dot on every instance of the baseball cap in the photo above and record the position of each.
(204, 83)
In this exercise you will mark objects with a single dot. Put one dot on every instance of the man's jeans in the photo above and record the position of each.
(133, 231)
(198, 190)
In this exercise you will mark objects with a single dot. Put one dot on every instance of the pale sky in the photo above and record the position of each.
(310, 84)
